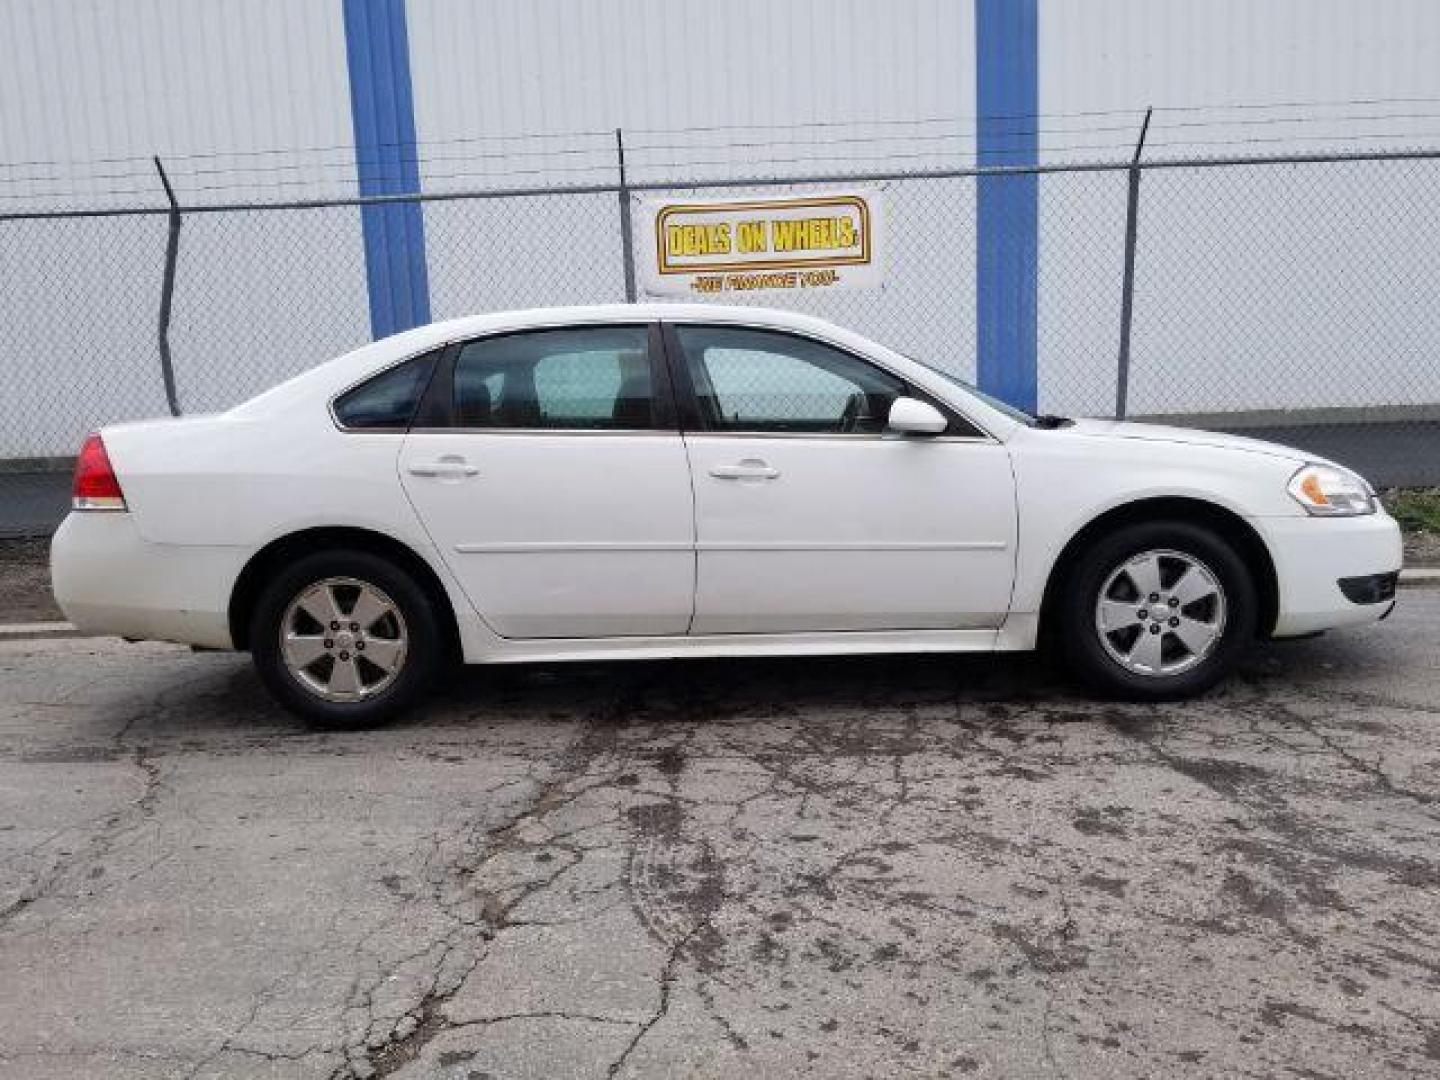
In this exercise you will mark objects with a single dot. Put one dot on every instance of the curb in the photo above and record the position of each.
(27, 630)
(1418, 578)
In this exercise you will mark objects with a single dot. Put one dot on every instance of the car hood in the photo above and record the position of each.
(1121, 429)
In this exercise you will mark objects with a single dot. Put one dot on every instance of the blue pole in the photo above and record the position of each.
(1007, 207)
(382, 107)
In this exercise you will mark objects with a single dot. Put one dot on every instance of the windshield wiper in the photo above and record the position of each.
(1049, 421)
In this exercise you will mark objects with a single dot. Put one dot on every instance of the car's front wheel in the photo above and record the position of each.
(345, 638)
(1157, 611)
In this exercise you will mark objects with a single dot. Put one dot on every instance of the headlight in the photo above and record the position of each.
(1326, 491)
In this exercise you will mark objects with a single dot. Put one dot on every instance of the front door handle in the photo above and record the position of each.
(749, 469)
(445, 468)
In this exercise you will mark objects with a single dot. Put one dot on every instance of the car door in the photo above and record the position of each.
(809, 517)
(548, 471)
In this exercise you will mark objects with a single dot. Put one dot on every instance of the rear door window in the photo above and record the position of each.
(585, 378)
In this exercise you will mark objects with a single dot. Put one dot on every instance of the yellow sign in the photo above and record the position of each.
(801, 242)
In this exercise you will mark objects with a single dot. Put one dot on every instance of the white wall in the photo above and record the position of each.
(1243, 278)
(1119, 56)
(518, 68)
(1257, 288)
(91, 90)
(701, 91)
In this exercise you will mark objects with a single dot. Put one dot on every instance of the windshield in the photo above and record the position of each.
(1018, 415)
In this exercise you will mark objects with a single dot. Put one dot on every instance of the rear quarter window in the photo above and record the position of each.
(389, 400)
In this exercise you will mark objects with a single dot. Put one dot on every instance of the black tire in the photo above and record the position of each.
(424, 650)
(1081, 641)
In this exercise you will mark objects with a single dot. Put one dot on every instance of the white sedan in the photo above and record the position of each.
(642, 481)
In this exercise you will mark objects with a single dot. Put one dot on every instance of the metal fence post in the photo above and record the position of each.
(627, 240)
(167, 291)
(1127, 289)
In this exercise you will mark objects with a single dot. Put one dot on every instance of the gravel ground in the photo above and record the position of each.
(918, 866)
(25, 582)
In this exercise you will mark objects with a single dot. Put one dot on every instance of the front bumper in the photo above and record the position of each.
(109, 580)
(1370, 588)
(1314, 555)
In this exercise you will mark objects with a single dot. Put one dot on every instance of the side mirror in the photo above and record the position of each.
(910, 416)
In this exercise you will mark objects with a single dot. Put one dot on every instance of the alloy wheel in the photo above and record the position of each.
(343, 639)
(1161, 612)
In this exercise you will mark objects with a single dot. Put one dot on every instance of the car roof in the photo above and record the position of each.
(469, 325)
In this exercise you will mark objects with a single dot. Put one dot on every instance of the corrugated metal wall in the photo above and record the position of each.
(87, 83)
(515, 93)
(1127, 54)
(678, 76)
(249, 99)
(109, 83)
(91, 91)
(1251, 291)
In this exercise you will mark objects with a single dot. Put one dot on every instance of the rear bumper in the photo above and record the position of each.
(1313, 556)
(109, 580)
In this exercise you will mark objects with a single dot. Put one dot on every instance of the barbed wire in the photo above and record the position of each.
(936, 149)
(859, 122)
(374, 171)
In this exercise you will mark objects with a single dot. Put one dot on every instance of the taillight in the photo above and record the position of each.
(96, 485)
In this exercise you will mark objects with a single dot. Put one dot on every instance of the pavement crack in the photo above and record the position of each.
(382, 1053)
(667, 981)
(97, 846)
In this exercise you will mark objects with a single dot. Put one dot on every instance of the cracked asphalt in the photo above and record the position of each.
(921, 866)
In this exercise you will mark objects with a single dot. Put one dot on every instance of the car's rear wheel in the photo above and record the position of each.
(1157, 611)
(345, 638)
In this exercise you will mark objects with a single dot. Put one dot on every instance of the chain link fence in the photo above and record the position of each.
(1291, 298)
(1296, 301)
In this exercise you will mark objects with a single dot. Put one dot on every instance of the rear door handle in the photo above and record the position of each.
(446, 468)
(749, 469)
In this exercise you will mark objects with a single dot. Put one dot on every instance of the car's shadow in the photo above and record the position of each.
(797, 684)
(687, 691)
(224, 697)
